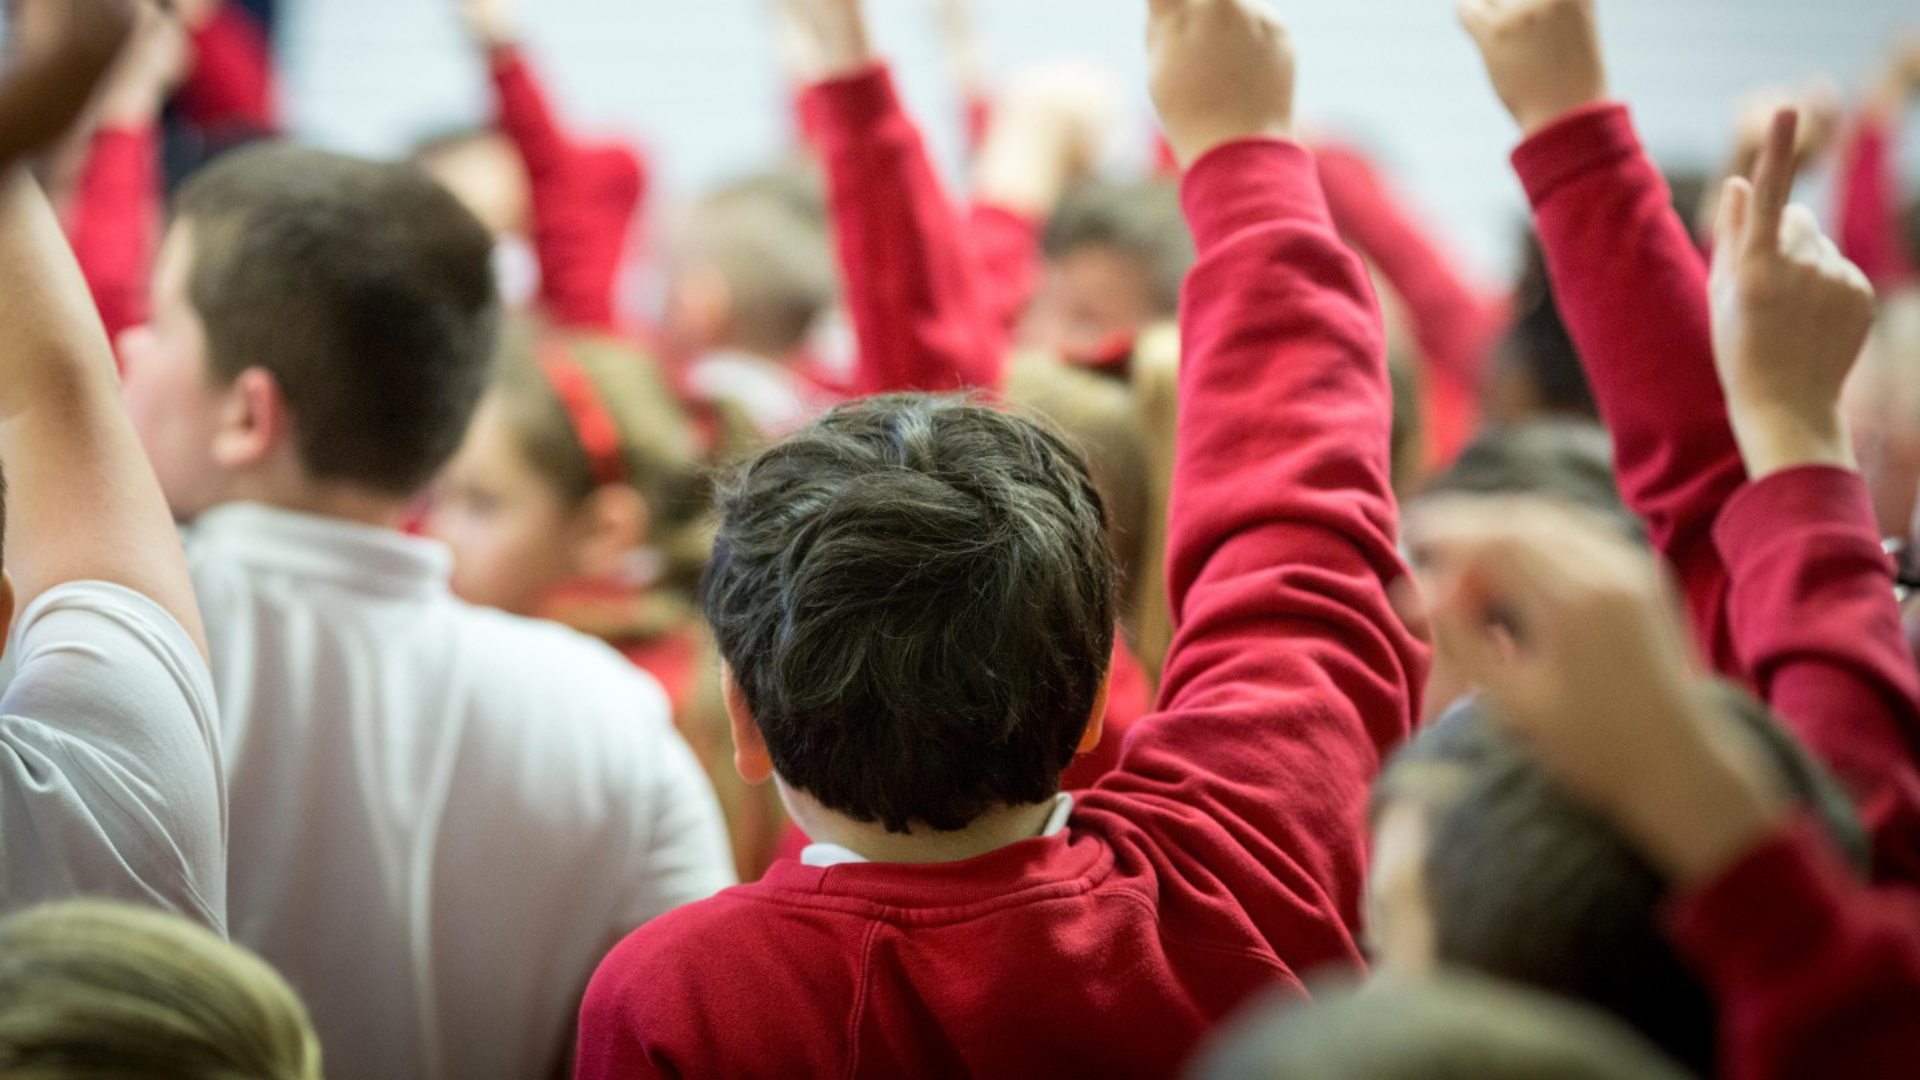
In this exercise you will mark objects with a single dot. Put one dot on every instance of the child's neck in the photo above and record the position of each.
(988, 833)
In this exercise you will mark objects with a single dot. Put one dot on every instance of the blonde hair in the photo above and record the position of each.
(93, 989)
(659, 447)
(1125, 430)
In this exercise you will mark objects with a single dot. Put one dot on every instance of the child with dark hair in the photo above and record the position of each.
(1574, 636)
(110, 779)
(481, 803)
(913, 597)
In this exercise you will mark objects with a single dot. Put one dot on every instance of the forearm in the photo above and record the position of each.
(911, 280)
(230, 89)
(1814, 620)
(1869, 201)
(83, 501)
(1814, 975)
(1633, 289)
(114, 222)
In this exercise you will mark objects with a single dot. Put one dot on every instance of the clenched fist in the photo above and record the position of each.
(1221, 70)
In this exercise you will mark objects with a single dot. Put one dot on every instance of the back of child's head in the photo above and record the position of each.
(554, 392)
(1524, 882)
(765, 238)
(1456, 1027)
(1566, 459)
(365, 289)
(91, 989)
(1536, 366)
(1118, 255)
(915, 598)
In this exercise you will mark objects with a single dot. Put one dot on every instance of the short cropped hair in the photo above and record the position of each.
(1141, 220)
(1455, 1027)
(90, 989)
(1565, 459)
(1525, 882)
(916, 598)
(365, 289)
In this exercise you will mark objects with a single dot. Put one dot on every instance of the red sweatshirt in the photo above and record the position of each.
(1227, 854)
(1785, 580)
(1455, 323)
(1869, 210)
(114, 223)
(1814, 620)
(586, 200)
(912, 290)
(229, 93)
(1817, 978)
(1633, 291)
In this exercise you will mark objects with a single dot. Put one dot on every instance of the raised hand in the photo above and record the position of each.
(492, 23)
(1221, 70)
(1543, 56)
(62, 49)
(149, 70)
(825, 39)
(1817, 101)
(1048, 129)
(1574, 638)
(1790, 317)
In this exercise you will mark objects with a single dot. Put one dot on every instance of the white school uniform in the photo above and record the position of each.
(443, 816)
(109, 765)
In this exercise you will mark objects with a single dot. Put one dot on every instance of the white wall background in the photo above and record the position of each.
(696, 82)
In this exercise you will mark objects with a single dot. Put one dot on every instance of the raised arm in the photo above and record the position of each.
(1868, 186)
(912, 288)
(1630, 283)
(229, 92)
(1811, 609)
(114, 221)
(1288, 660)
(1455, 322)
(1573, 636)
(586, 199)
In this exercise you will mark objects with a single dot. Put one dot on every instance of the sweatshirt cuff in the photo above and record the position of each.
(1783, 506)
(504, 58)
(1592, 137)
(851, 102)
(1248, 183)
(1768, 916)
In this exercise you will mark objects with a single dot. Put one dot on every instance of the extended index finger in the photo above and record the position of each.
(1773, 182)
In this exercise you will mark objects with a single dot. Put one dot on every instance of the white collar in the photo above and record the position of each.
(825, 855)
(362, 557)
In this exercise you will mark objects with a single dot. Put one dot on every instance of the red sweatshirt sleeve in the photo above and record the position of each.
(586, 200)
(1814, 620)
(1290, 676)
(1455, 323)
(912, 288)
(1869, 211)
(1006, 244)
(230, 89)
(1816, 977)
(1633, 289)
(115, 220)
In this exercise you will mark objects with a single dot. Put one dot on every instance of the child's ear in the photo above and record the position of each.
(1097, 720)
(6, 610)
(750, 755)
(607, 528)
(254, 421)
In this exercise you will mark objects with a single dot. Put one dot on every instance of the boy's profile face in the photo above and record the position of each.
(1093, 300)
(170, 393)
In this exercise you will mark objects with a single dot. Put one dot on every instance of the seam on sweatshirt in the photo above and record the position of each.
(860, 1000)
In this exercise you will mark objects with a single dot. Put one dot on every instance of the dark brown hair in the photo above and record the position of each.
(364, 289)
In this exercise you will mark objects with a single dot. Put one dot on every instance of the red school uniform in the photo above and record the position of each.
(1226, 855)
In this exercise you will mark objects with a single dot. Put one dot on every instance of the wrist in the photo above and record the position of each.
(1535, 117)
(1775, 438)
(1703, 802)
(845, 48)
